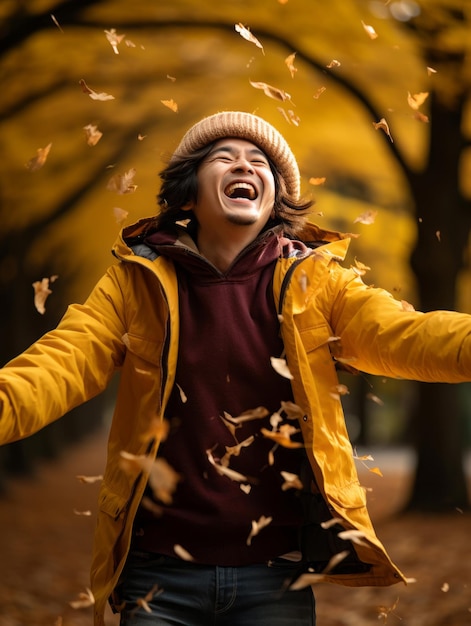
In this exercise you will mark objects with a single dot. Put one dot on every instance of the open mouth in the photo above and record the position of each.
(241, 190)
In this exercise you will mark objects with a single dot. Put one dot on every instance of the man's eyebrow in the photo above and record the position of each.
(254, 151)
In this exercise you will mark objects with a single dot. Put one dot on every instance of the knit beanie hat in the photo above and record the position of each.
(240, 125)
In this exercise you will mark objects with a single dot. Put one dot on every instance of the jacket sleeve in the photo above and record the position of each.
(68, 365)
(379, 335)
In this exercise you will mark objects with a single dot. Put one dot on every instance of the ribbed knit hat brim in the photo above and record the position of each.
(240, 125)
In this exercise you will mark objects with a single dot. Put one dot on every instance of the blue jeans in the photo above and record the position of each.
(186, 594)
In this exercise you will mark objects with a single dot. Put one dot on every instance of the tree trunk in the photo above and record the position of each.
(436, 260)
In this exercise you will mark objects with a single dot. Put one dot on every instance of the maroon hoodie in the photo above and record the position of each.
(229, 329)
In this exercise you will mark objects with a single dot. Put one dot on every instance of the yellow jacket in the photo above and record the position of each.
(130, 322)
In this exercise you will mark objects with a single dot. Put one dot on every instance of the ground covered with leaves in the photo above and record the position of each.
(47, 524)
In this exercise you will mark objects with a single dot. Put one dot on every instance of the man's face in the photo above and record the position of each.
(235, 187)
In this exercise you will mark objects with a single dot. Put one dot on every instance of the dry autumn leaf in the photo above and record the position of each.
(415, 101)
(163, 479)
(290, 116)
(114, 39)
(90, 480)
(83, 513)
(271, 92)
(369, 30)
(333, 63)
(368, 217)
(317, 181)
(319, 92)
(227, 471)
(247, 35)
(290, 64)
(93, 94)
(257, 526)
(123, 183)
(120, 215)
(36, 163)
(182, 553)
(143, 603)
(170, 104)
(92, 134)
(291, 481)
(383, 125)
(281, 367)
(41, 293)
(283, 436)
(85, 599)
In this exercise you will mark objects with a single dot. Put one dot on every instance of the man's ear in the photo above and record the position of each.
(189, 206)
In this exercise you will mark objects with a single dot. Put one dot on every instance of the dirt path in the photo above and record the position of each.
(45, 544)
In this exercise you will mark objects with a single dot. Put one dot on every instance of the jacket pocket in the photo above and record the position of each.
(143, 349)
(112, 504)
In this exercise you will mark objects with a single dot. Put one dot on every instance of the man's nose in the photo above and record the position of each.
(241, 164)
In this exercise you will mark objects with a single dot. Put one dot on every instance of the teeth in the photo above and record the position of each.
(241, 190)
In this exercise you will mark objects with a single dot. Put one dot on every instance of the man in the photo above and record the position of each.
(230, 482)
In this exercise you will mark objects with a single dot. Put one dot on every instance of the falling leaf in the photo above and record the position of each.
(291, 481)
(141, 137)
(183, 223)
(333, 63)
(445, 588)
(93, 134)
(89, 480)
(183, 397)
(421, 117)
(246, 488)
(438, 235)
(375, 470)
(290, 116)
(292, 410)
(431, 71)
(415, 101)
(339, 390)
(368, 217)
(383, 125)
(114, 39)
(317, 181)
(84, 513)
(308, 579)
(281, 367)
(360, 268)
(120, 215)
(41, 293)
(246, 34)
(354, 536)
(163, 479)
(319, 92)
(331, 522)
(369, 30)
(236, 450)
(123, 183)
(85, 599)
(171, 78)
(271, 92)
(182, 553)
(385, 611)
(290, 64)
(227, 471)
(158, 429)
(53, 18)
(257, 527)
(283, 436)
(374, 398)
(170, 104)
(143, 603)
(93, 94)
(36, 163)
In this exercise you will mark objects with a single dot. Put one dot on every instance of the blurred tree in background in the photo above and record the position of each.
(373, 97)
